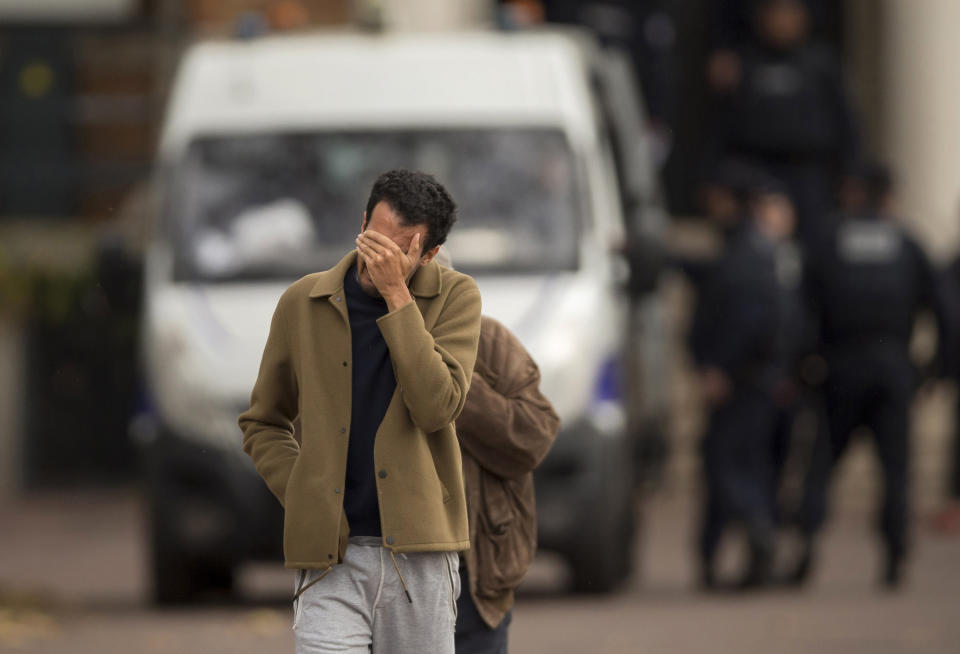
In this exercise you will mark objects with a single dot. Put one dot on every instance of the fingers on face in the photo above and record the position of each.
(379, 242)
(413, 248)
(368, 247)
(371, 257)
(377, 247)
(374, 258)
(368, 244)
(368, 255)
(414, 245)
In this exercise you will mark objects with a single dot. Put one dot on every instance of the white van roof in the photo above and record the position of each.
(345, 80)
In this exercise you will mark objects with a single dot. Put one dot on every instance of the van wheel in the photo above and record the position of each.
(178, 580)
(173, 581)
(178, 576)
(605, 564)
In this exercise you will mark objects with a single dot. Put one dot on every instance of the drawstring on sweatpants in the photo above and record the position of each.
(402, 582)
(319, 577)
(327, 571)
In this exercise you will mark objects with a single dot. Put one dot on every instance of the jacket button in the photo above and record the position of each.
(343, 430)
(390, 540)
(336, 490)
(344, 364)
(329, 556)
(337, 299)
(383, 474)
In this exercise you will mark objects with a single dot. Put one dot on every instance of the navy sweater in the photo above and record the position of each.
(373, 386)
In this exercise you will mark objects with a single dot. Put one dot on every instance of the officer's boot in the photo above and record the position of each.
(760, 567)
(892, 577)
(893, 573)
(800, 573)
(708, 574)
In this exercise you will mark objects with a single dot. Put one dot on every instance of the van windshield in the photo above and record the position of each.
(278, 206)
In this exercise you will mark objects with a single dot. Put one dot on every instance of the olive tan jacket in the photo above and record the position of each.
(506, 429)
(306, 372)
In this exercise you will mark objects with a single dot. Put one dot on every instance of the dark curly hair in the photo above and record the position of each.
(418, 199)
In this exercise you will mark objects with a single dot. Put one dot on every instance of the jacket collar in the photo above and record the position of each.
(426, 281)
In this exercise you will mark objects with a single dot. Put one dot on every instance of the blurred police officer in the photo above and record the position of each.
(734, 340)
(783, 103)
(775, 216)
(505, 430)
(868, 282)
(947, 520)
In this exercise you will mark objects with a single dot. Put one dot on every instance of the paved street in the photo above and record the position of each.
(72, 579)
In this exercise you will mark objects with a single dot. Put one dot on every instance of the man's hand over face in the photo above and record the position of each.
(389, 266)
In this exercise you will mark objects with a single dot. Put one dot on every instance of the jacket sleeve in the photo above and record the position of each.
(509, 432)
(433, 368)
(268, 434)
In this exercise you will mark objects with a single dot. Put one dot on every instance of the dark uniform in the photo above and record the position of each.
(793, 342)
(645, 30)
(953, 288)
(867, 285)
(730, 23)
(790, 114)
(734, 330)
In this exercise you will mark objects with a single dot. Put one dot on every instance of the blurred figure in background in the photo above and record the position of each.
(867, 285)
(505, 430)
(776, 218)
(948, 520)
(730, 26)
(647, 31)
(782, 102)
(734, 340)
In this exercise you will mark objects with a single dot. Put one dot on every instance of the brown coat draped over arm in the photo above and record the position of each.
(505, 430)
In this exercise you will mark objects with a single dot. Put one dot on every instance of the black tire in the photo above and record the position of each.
(179, 579)
(607, 564)
(213, 580)
(172, 577)
(179, 576)
(602, 558)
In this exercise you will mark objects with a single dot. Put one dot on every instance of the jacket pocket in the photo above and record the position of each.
(506, 534)
(286, 489)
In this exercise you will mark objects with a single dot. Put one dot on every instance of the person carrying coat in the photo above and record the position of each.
(506, 429)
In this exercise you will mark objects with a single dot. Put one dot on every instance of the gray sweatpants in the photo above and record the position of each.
(361, 606)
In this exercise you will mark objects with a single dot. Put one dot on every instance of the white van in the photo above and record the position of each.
(266, 158)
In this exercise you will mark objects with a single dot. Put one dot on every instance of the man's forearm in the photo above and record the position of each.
(398, 299)
(434, 369)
